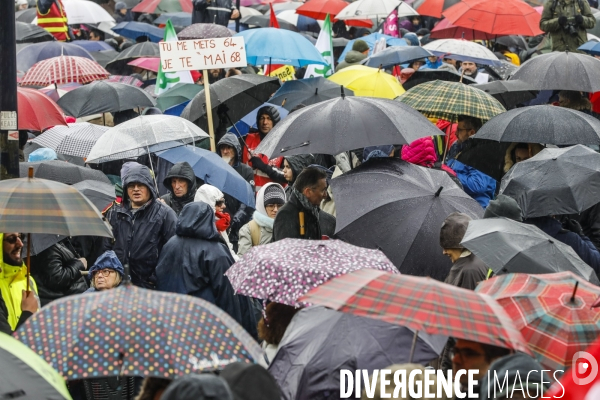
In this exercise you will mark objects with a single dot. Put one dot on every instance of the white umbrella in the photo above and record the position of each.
(144, 134)
(85, 12)
(74, 140)
(366, 9)
(462, 50)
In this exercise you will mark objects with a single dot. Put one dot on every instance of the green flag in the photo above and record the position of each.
(165, 80)
(325, 47)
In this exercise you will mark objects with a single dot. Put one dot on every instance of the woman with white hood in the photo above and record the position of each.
(215, 199)
(269, 200)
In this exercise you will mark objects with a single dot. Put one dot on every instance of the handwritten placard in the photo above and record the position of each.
(201, 54)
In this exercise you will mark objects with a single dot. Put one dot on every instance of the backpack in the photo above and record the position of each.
(254, 233)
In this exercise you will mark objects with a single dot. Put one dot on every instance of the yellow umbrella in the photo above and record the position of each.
(368, 81)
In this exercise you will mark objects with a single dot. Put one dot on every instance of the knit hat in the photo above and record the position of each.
(453, 230)
(120, 6)
(274, 194)
(503, 206)
(271, 112)
(360, 46)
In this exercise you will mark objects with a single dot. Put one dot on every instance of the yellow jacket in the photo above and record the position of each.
(13, 280)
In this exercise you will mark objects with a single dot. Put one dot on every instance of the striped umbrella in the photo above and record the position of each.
(552, 311)
(163, 6)
(75, 140)
(64, 69)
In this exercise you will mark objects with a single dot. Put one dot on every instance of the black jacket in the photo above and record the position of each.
(287, 222)
(139, 237)
(590, 222)
(180, 170)
(195, 260)
(57, 272)
(297, 164)
(212, 11)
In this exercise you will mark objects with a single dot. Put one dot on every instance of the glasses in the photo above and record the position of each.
(463, 129)
(465, 353)
(220, 202)
(105, 271)
(12, 239)
(273, 206)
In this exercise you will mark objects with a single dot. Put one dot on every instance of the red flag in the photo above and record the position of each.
(273, 23)
(581, 381)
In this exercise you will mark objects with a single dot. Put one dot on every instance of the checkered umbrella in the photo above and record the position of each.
(75, 140)
(449, 100)
(552, 311)
(285, 270)
(422, 304)
(64, 69)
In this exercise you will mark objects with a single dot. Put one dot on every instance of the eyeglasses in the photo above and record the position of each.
(220, 202)
(105, 271)
(465, 353)
(12, 239)
(273, 206)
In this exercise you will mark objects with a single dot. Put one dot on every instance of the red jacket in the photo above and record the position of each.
(260, 178)
(55, 21)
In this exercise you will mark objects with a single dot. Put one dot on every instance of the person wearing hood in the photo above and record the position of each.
(181, 183)
(198, 387)
(269, 200)
(518, 152)
(107, 273)
(241, 376)
(292, 166)
(141, 225)
(122, 14)
(194, 262)
(360, 51)
(378, 152)
(433, 62)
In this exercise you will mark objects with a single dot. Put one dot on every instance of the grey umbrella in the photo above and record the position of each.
(100, 97)
(555, 182)
(29, 33)
(346, 123)
(61, 171)
(104, 57)
(307, 91)
(508, 246)
(542, 124)
(145, 49)
(99, 193)
(509, 93)
(320, 342)
(561, 71)
(399, 208)
(396, 55)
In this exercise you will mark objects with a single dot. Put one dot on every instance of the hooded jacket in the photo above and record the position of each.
(181, 170)
(475, 183)
(287, 223)
(212, 11)
(195, 260)
(420, 152)
(297, 164)
(108, 259)
(140, 236)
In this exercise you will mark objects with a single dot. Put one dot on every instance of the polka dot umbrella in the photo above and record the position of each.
(136, 332)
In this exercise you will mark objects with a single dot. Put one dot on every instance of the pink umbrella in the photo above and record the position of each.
(151, 64)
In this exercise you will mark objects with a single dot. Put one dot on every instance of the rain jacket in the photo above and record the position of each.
(212, 11)
(180, 170)
(57, 271)
(140, 236)
(467, 271)
(287, 223)
(562, 40)
(297, 163)
(108, 259)
(420, 152)
(52, 17)
(590, 223)
(353, 57)
(260, 218)
(13, 280)
(475, 183)
(195, 260)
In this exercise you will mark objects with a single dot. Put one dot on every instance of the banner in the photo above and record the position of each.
(325, 47)
(164, 79)
(390, 26)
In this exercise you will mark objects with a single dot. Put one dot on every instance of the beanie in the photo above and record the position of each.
(453, 230)
(271, 112)
(504, 206)
(274, 194)
(360, 46)
(120, 6)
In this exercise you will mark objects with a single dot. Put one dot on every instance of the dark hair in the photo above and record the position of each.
(472, 122)
(279, 317)
(98, 33)
(491, 352)
(309, 178)
(571, 95)
(151, 386)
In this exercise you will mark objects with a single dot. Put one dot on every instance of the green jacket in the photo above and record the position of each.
(562, 40)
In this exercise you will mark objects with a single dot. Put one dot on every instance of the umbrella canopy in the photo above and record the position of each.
(64, 69)
(301, 22)
(203, 31)
(27, 16)
(30, 377)
(498, 17)
(178, 19)
(285, 270)
(279, 46)
(310, 357)
(212, 169)
(433, 8)
(592, 47)
(318, 9)
(509, 93)
(542, 124)
(148, 63)
(367, 196)
(422, 304)
(372, 40)
(55, 92)
(303, 131)
(363, 9)
(101, 97)
(36, 111)
(307, 91)
(153, 332)
(28, 33)
(525, 248)
(75, 139)
(37, 52)
(396, 56)
(93, 45)
(99, 193)
(367, 81)
(561, 71)
(243, 126)
(105, 56)
(180, 93)
(145, 49)
(463, 50)
(136, 136)
(449, 100)
(85, 12)
(446, 30)
(163, 6)
(553, 313)
(555, 182)
(264, 21)
(423, 75)
(129, 80)
(60, 171)
(133, 30)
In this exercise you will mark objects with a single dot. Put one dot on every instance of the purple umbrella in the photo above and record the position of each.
(285, 270)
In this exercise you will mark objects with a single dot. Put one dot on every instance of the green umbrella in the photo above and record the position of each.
(178, 94)
(29, 376)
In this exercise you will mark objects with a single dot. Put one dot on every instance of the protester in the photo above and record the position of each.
(250, 382)
(214, 12)
(271, 329)
(471, 355)
(21, 5)
(469, 69)
(122, 14)
(141, 225)
(574, 100)
(504, 207)
(153, 388)
(360, 51)
(181, 183)
(107, 273)
(292, 166)
(96, 35)
(51, 15)
(567, 21)
(518, 152)
(378, 152)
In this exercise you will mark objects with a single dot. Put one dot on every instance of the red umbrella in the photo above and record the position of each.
(498, 17)
(318, 9)
(433, 8)
(64, 69)
(445, 30)
(163, 6)
(421, 304)
(36, 111)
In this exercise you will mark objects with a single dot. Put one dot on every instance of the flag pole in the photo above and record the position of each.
(209, 115)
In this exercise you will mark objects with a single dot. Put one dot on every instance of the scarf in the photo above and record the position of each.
(305, 203)
(263, 220)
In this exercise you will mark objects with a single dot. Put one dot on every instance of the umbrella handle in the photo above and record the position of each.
(28, 256)
(301, 220)
(413, 347)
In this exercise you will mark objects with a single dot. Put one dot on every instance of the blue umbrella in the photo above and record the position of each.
(371, 40)
(249, 121)
(93, 45)
(279, 46)
(181, 19)
(213, 170)
(45, 50)
(592, 47)
(176, 110)
(397, 55)
(133, 30)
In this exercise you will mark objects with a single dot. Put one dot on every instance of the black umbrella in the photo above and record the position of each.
(104, 57)
(555, 182)
(396, 55)
(542, 124)
(61, 171)
(346, 123)
(427, 75)
(485, 156)
(264, 22)
(145, 49)
(99, 193)
(503, 70)
(508, 246)
(237, 96)
(561, 71)
(29, 33)
(512, 41)
(100, 97)
(307, 91)
(509, 93)
(399, 208)
(27, 16)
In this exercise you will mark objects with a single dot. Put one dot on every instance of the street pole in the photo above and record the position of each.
(9, 134)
